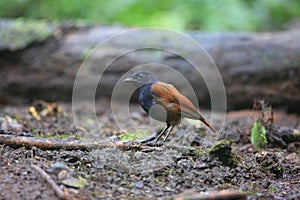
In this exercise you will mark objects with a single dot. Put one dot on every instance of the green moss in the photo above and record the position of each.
(135, 135)
(194, 152)
(201, 131)
(36, 132)
(222, 150)
(273, 188)
(63, 136)
(17, 34)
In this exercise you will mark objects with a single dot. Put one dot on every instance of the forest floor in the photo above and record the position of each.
(111, 172)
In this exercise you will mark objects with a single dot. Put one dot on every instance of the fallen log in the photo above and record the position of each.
(252, 65)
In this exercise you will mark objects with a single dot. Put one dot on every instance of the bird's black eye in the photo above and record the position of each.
(139, 76)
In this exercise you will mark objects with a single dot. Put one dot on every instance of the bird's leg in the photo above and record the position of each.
(161, 133)
(168, 133)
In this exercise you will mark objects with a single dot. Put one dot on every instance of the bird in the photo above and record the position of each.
(163, 102)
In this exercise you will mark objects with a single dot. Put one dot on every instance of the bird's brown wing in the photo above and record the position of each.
(170, 98)
(188, 110)
(174, 102)
(166, 95)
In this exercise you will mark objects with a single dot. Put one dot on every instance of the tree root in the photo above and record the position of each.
(60, 194)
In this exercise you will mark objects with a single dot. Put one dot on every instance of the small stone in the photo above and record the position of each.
(139, 184)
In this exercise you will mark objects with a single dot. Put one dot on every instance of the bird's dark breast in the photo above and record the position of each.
(145, 97)
(147, 102)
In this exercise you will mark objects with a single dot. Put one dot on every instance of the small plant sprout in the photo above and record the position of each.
(261, 124)
(258, 136)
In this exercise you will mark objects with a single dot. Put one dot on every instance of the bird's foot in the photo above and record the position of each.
(155, 143)
(148, 139)
(151, 141)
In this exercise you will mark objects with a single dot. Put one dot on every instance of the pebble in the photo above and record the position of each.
(139, 184)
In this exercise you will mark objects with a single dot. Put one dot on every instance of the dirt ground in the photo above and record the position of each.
(113, 173)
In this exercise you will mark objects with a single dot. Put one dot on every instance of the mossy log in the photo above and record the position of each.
(252, 65)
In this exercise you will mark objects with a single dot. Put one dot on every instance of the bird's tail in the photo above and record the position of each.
(207, 124)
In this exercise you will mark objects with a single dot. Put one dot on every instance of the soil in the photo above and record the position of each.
(112, 173)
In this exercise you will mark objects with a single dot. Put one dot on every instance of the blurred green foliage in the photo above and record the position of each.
(20, 33)
(209, 15)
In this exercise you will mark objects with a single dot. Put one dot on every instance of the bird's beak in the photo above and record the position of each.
(129, 80)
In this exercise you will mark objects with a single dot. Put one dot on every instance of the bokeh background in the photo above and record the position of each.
(217, 15)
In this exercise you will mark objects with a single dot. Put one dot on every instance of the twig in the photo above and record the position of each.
(51, 182)
(67, 144)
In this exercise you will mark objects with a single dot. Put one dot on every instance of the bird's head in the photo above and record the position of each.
(141, 78)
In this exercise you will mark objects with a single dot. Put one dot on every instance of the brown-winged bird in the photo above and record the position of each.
(163, 102)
